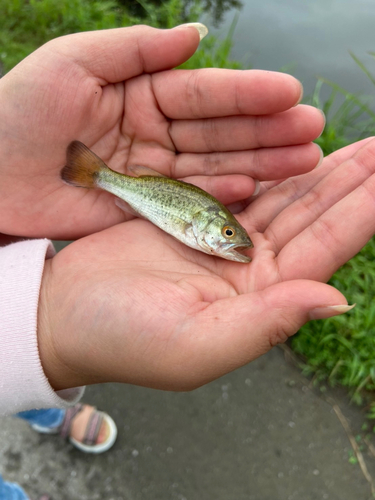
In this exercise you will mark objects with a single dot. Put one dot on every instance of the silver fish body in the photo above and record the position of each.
(183, 210)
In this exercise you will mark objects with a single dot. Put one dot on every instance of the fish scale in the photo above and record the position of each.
(153, 197)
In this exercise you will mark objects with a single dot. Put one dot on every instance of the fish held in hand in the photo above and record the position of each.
(183, 210)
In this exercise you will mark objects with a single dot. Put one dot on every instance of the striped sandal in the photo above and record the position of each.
(88, 444)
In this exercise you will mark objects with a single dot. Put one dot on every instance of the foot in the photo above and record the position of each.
(89, 430)
(79, 424)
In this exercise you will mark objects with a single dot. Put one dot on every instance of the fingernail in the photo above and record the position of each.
(300, 96)
(325, 120)
(329, 311)
(257, 187)
(201, 28)
(321, 157)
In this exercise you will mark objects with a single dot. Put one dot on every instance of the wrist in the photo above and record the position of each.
(52, 339)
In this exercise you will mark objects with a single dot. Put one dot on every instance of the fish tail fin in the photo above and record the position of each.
(82, 166)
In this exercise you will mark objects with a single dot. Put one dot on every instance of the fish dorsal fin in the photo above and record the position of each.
(142, 171)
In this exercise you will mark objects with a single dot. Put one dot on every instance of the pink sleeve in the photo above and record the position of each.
(23, 384)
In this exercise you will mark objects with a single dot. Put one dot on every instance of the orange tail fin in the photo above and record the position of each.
(82, 166)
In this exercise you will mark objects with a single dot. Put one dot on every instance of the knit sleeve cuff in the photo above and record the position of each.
(23, 383)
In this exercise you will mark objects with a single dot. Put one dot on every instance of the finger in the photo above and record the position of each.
(232, 332)
(119, 54)
(333, 239)
(262, 164)
(332, 188)
(298, 125)
(212, 92)
(273, 202)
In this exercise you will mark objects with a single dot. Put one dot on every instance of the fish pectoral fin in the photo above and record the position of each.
(188, 230)
(142, 171)
(201, 220)
(126, 207)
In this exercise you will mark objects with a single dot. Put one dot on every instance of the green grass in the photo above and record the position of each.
(28, 24)
(350, 117)
(340, 350)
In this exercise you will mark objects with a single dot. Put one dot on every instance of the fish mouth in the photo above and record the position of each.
(232, 252)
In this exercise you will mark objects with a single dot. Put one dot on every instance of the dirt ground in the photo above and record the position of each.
(259, 433)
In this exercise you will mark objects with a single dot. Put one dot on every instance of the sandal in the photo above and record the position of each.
(87, 445)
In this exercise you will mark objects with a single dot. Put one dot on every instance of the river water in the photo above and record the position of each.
(307, 38)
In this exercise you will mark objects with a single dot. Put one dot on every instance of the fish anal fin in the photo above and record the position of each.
(142, 171)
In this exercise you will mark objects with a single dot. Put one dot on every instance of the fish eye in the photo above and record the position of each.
(228, 231)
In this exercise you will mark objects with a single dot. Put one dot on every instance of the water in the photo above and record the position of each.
(307, 38)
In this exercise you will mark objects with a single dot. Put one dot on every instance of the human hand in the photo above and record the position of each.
(114, 91)
(132, 304)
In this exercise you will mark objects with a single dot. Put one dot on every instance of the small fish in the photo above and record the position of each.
(185, 211)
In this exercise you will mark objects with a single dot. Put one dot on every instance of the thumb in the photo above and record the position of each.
(119, 54)
(240, 329)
